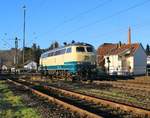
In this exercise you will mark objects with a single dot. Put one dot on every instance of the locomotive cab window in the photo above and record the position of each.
(50, 54)
(80, 49)
(45, 55)
(63, 51)
(60, 52)
(89, 49)
(68, 50)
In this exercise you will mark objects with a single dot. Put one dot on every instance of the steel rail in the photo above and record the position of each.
(124, 107)
(96, 100)
(72, 108)
(126, 85)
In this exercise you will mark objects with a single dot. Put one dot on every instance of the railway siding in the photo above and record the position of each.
(104, 89)
(125, 85)
(81, 112)
(105, 102)
(112, 104)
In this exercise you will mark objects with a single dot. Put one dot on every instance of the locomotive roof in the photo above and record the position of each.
(72, 44)
(84, 44)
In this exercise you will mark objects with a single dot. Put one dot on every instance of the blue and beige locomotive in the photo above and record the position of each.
(73, 59)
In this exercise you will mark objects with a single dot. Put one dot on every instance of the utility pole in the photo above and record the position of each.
(24, 26)
(16, 57)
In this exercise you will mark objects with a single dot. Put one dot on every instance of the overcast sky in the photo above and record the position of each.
(91, 21)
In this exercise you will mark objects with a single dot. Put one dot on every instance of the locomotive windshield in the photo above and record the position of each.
(80, 49)
(89, 49)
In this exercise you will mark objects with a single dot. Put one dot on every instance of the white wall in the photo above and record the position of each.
(140, 61)
(148, 59)
(31, 65)
(114, 65)
(131, 61)
(137, 62)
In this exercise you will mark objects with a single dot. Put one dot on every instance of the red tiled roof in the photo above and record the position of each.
(105, 48)
(114, 49)
(123, 48)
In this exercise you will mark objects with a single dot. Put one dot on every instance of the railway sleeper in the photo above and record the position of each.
(87, 98)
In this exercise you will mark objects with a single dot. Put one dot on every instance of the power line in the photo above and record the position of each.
(33, 40)
(134, 26)
(85, 12)
(7, 43)
(123, 28)
(81, 14)
(32, 13)
(108, 17)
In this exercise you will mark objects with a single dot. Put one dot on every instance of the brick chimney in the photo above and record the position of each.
(129, 36)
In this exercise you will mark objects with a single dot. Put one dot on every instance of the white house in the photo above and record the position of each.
(126, 59)
(30, 65)
(4, 67)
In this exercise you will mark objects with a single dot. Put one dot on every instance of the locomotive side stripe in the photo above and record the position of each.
(70, 67)
(71, 62)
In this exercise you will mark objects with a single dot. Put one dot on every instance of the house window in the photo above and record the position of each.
(119, 58)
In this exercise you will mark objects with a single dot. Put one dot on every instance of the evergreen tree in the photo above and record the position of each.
(54, 45)
(34, 52)
(34, 49)
(147, 50)
(28, 54)
(38, 54)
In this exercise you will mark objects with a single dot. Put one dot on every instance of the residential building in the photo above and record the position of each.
(148, 60)
(126, 59)
(30, 65)
(122, 59)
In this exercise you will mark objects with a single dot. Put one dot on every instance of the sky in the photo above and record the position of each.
(90, 21)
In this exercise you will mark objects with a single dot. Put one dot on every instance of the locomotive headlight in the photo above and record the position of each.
(79, 63)
(86, 58)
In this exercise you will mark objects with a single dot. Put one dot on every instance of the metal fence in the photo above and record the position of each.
(137, 70)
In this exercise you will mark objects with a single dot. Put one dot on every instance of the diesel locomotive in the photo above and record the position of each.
(76, 59)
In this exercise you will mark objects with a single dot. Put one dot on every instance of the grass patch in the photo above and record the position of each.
(111, 94)
(11, 106)
(26, 113)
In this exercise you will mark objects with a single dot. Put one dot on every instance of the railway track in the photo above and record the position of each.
(72, 108)
(125, 85)
(130, 84)
(43, 107)
(145, 81)
(133, 97)
(92, 105)
(123, 94)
